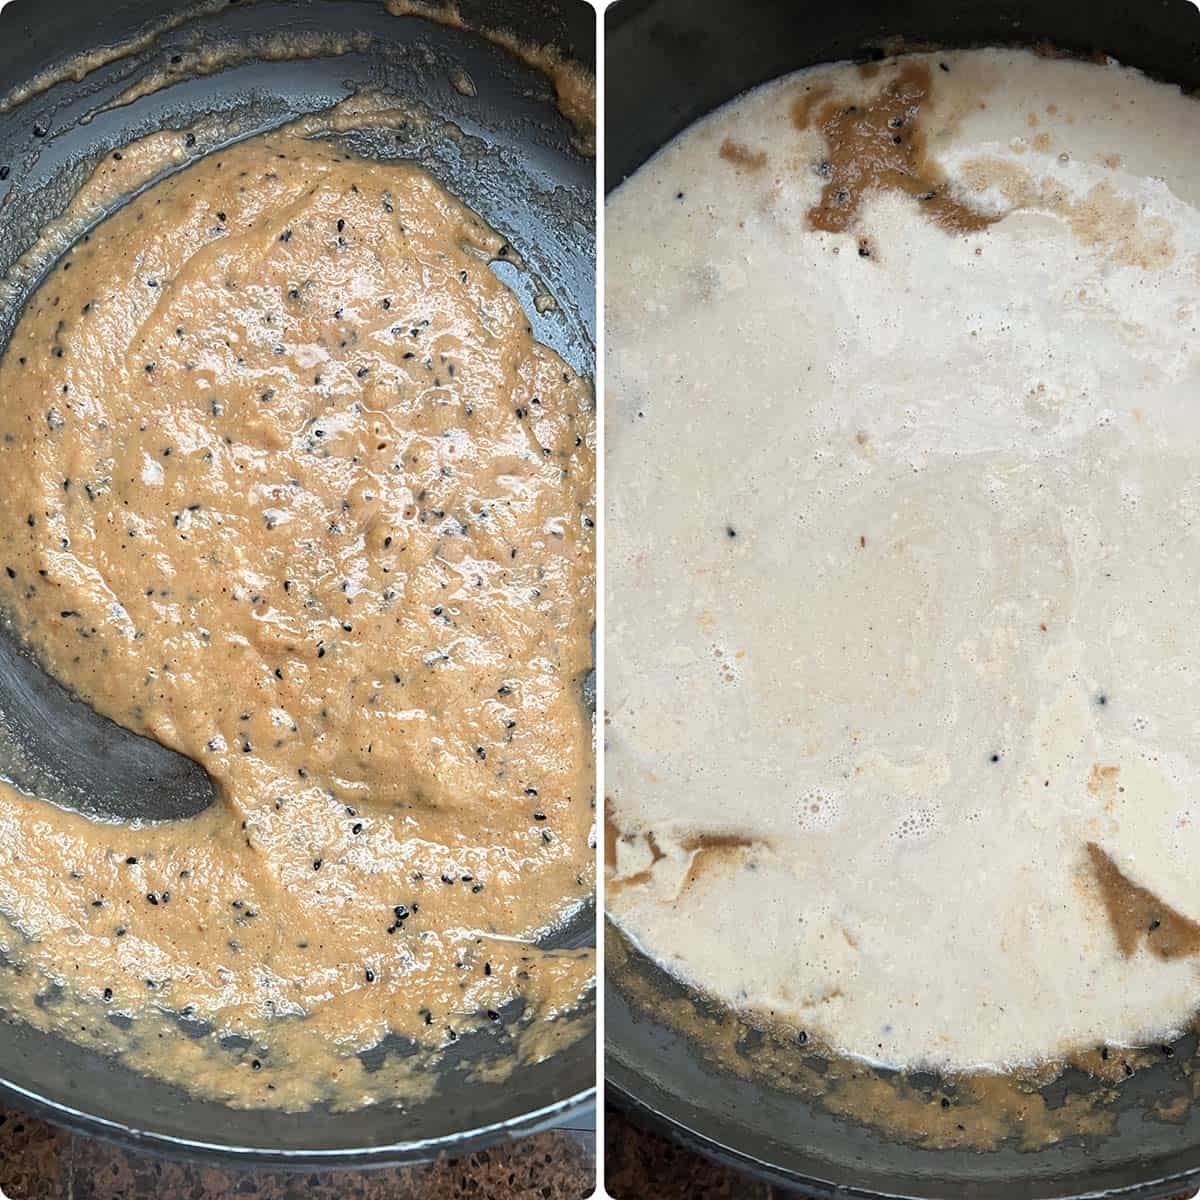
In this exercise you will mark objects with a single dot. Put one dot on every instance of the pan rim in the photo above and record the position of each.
(141, 1131)
(399, 1153)
(631, 1083)
(651, 1117)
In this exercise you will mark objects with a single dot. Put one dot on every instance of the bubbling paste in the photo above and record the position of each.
(902, 454)
(291, 488)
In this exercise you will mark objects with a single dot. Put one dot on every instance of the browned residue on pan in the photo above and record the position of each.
(1135, 913)
(1050, 50)
(613, 835)
(710, 850)
(980, 1110)
(741, 156)
(1103, 218)
(806, 102)
(707, 849)
(880, 145)
(1103, 779)
(574, 84)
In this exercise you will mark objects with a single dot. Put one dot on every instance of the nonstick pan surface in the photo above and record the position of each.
(670, 63)
(507, 152)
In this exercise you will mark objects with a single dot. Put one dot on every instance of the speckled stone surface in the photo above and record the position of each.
(39, 1162)
(639, 1165)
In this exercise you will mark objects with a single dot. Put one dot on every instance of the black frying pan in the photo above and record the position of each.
(669, 63)
(531, 183)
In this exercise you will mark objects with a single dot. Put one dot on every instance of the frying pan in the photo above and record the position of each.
(506, 151)
(671, 62)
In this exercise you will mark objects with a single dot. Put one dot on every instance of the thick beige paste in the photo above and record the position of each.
(290, 487)
(902, 472)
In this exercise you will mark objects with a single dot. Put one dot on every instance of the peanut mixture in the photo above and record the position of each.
(290, 487)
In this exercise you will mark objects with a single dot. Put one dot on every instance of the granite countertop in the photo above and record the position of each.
(41, 1162)
(639, 1165)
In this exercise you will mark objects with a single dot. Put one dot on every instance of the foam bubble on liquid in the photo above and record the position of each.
(917, 825)
(1181, 841)
(819, 808)
(728, 671)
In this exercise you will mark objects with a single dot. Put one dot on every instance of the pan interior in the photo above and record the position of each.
(652, 1068)
(505, 150)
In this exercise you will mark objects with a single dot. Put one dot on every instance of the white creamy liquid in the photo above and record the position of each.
(904, 567)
